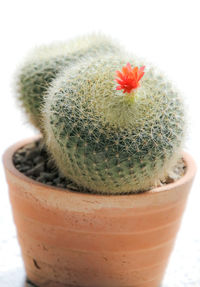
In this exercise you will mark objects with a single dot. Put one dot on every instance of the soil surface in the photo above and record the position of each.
(33, 161)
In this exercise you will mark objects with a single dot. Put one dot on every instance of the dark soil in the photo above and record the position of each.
(33, 161)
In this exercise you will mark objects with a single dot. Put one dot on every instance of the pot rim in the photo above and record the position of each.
(8, 163)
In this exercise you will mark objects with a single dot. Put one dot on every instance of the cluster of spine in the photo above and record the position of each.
(107, 139)
(102, 140)
(46, 62)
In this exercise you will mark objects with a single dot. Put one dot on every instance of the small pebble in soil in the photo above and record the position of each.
(33, 161)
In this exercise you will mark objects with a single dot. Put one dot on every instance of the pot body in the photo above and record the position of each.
(75, 239)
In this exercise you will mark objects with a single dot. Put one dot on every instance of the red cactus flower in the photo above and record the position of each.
(129, 78)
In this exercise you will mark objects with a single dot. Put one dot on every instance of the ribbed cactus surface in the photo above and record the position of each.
(44, 63)
(106, 141)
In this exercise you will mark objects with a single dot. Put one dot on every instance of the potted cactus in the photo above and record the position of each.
(98, 198)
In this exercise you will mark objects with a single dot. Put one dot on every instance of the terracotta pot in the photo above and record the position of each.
(75, 239)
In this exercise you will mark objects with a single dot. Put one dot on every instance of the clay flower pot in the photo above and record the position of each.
(75, 239)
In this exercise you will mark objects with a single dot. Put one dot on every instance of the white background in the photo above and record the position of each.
(164, 32)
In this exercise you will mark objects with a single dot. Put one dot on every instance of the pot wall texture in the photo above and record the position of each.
(75, 239)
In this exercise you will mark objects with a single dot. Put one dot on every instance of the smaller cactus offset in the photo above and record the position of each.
(45, 62)
(113, 127)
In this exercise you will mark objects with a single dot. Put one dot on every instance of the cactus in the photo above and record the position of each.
(109, 139)
(45, 62)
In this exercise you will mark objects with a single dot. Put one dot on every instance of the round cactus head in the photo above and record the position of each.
(113, 127)
(44, 63)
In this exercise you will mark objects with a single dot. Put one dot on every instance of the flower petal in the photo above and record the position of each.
(129, 78)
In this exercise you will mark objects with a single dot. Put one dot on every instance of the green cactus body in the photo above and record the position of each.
(102, 140)
(45, 62)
